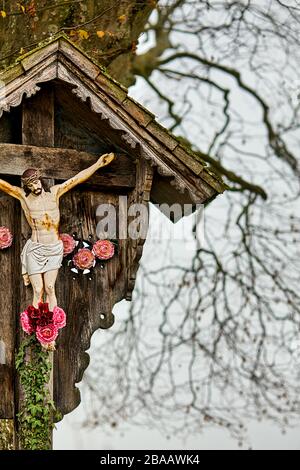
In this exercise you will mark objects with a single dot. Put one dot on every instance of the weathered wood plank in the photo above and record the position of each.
(37, 129)
(140, 195)
(9, 209)
(27, 82)
(38, 56)
(62, 164)
(38, 119)
(79, 59)
(86, 298)
(77, 126)
(10, 127)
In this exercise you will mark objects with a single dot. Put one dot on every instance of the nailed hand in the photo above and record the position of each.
(106, 159)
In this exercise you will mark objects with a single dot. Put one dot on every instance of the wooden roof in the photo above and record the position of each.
(180, 175)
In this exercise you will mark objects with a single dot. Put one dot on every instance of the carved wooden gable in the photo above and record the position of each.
(58, 111)
(177, 169)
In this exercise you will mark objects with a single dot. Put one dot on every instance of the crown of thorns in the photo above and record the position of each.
(30, 176)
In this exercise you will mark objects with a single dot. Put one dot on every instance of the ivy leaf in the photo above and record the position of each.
(3, 13)
(83, 34)
(100, 34)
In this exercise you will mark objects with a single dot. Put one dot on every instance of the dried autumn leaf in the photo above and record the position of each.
(3, 14)
(83, 34)
(31, 10)
(100, 34)
(122, 18)
(22, 8)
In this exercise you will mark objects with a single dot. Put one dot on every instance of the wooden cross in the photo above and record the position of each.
(58, 112)
(88, 303)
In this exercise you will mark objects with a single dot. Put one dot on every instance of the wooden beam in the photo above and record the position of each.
(37, 129)
(62, 164)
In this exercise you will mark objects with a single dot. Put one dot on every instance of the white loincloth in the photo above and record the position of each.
(38, 258)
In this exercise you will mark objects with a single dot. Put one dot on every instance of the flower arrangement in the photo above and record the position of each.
(43, 323)
(82, 256)
(6, 238)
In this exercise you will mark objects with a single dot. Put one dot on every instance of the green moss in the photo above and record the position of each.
(198, 156)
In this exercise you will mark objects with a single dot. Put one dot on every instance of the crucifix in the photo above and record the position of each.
(43, 253)
(36, 239)
(45, 137)
(58, 112)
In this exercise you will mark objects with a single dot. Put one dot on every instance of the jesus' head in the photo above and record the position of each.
(32, 183)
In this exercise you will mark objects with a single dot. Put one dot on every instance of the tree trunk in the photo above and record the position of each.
(107, 30)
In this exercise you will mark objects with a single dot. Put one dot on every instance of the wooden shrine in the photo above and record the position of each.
(58, 112)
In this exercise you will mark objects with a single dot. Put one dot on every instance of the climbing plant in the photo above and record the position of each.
(36, 417)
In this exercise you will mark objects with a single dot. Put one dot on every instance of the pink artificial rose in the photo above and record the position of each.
(104, 249)
(6, 238)
(69, 243)
(25, 323)
(59, 317)
(84, 259)
(47, 334)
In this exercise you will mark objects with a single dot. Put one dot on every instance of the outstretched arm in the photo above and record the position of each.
(13, 191)
(84, 175)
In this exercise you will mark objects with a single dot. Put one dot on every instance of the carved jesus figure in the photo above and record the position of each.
(43, 253)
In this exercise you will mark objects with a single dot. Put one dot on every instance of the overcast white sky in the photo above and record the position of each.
(70, 434)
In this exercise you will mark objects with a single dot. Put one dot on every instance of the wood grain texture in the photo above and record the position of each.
(140, 195)
(37, 129)
(62, 164)
(86, 298)
(9, 304)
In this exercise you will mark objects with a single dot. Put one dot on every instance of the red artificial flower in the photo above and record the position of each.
(6, 238)
(33, 312)
(84, 259)
(104, 249)
(44, 323)
(43, 308)
(26, 323)
(69, 243)
(59, 317)
(47, 334)
(44, 320)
